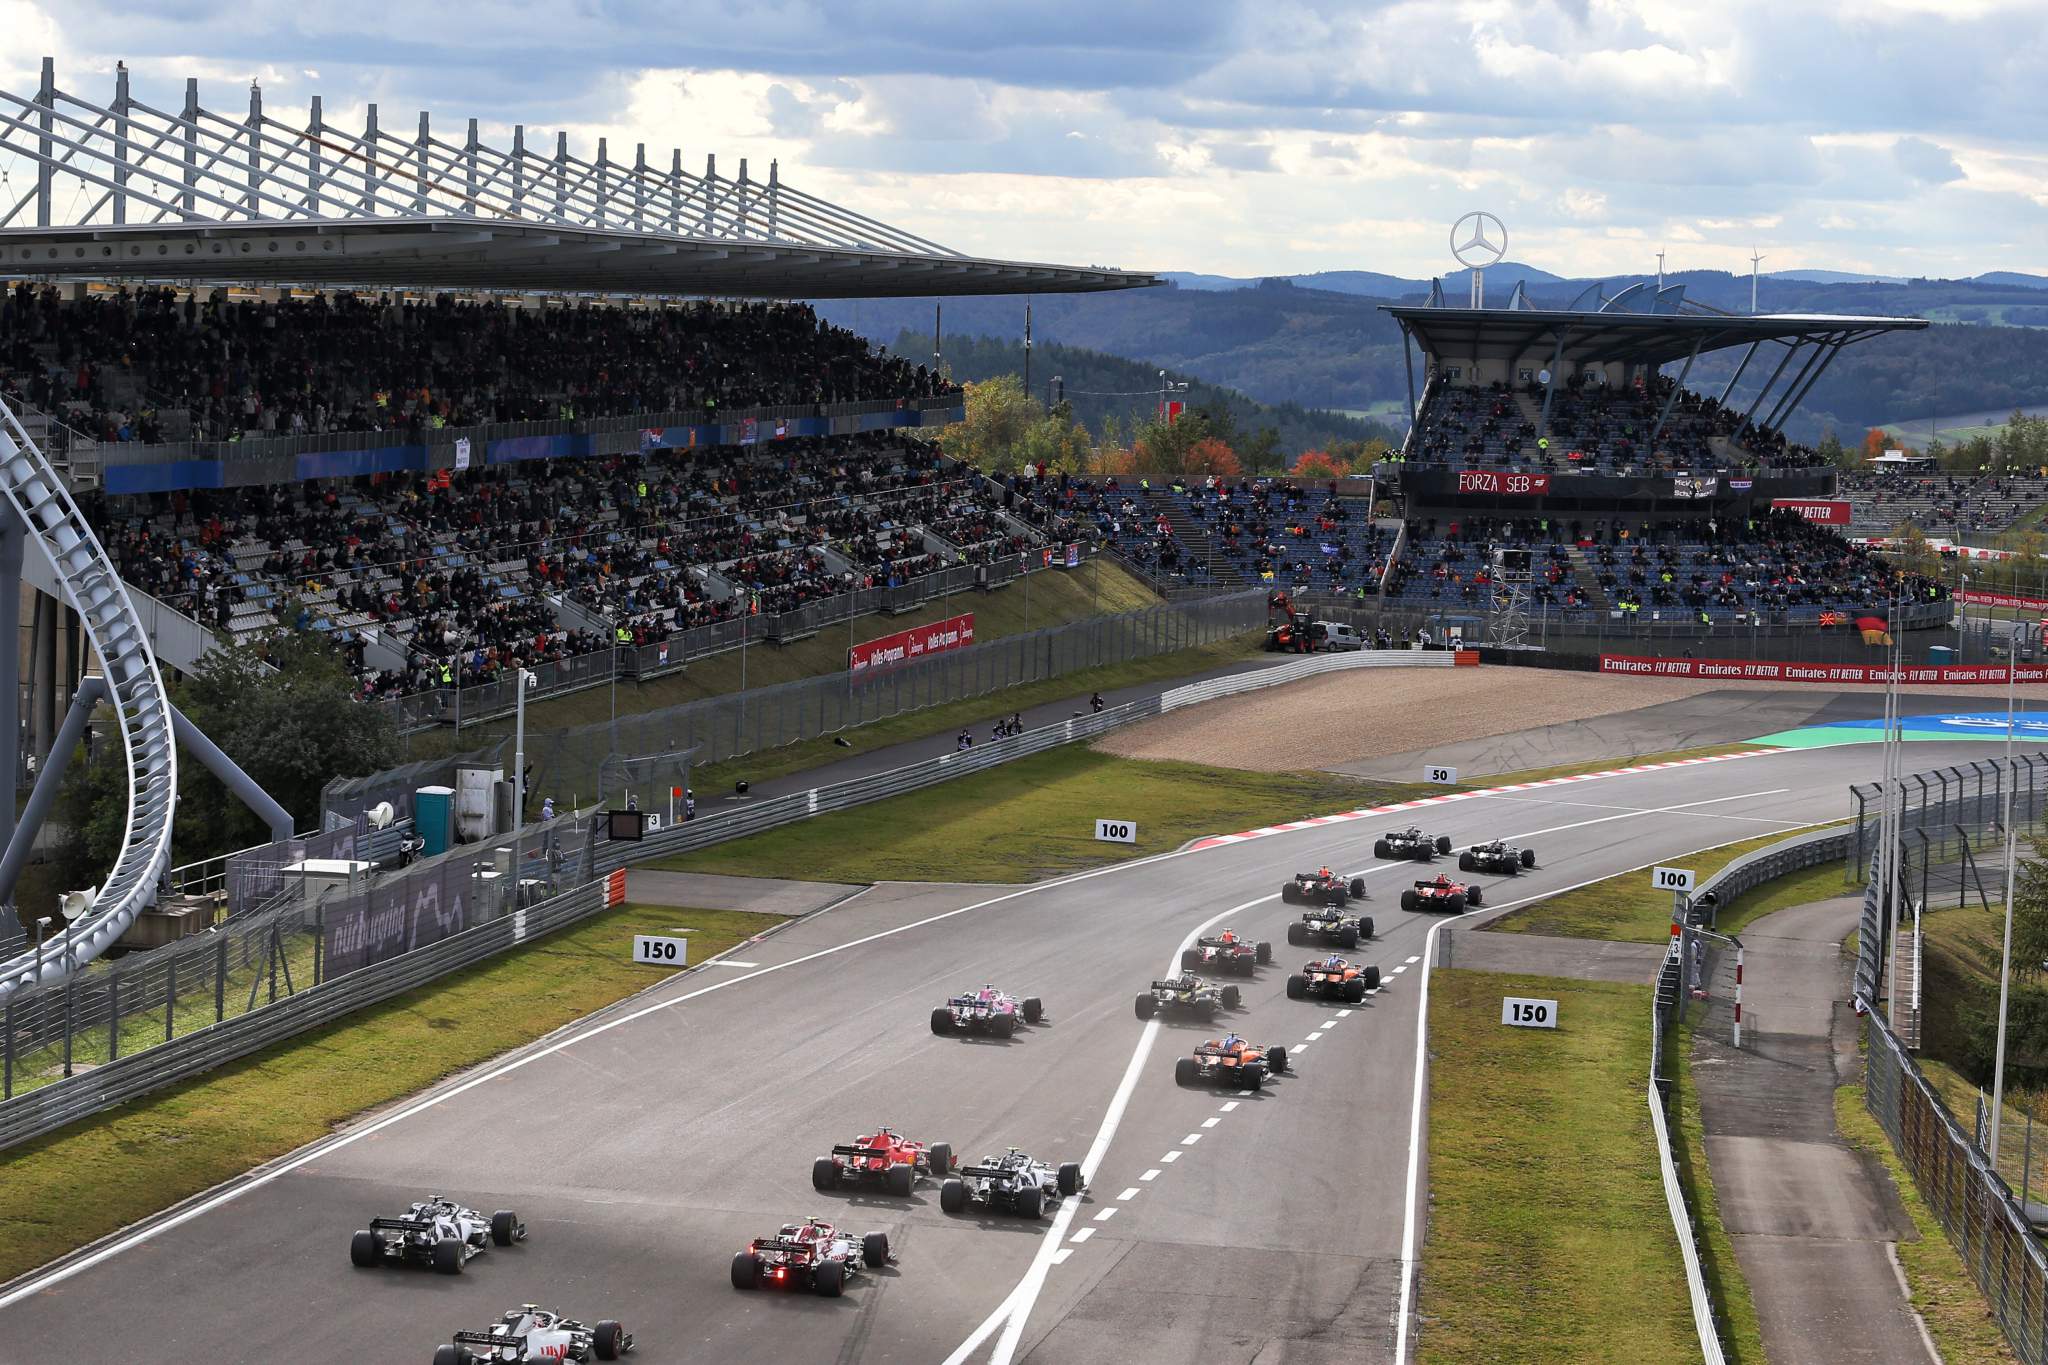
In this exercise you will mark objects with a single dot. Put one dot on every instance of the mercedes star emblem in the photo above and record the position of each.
(1477, 245)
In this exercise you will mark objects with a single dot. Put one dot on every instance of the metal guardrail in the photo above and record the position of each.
(41, 1111)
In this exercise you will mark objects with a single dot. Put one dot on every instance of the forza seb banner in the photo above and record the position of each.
(1820, 511)
(1502, 481)
(955, 632)
(1744, 669)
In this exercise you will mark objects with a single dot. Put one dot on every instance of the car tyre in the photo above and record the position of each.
(1354, 989)
(1364, 928)
(1455, 902)
(1263, 953)
(1070, 1177)
(1034, 1009)
(1443, 843)
(1029, 1203)
(1381, 849)
(1464, 862)
(609, 1340)
(901, 1180)
(365, 1250)
(942, 1021)
(1409, 900)
(1512, 868)
(1277, 1059)
(448, 1256)
(1474, 896)
(1232, 997)
(1297, 933)
(1528, 858)
(1002, 1025)
(824, 1173)
(1297, 986)
(874, 1250)
(452, 1355)
(939, 1156)
(1251, 1077)
(1184, 1072)
(1347, 937)
(953, 1195)
(829, 1279)
(1358, 888)
(1370, 976)
(1287, 894)
(1147, 1006)
(504, 1227)
(1190, 958)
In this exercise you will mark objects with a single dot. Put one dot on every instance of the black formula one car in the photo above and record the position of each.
(531, 1333)
(1188, 994)
(1327, 924)
(1499, 857)
(1230, 1060)
(1322, 887)
(1441, 894)
(1333, 978)
(434, 1232)
(810, 1255)
(1410, 843)
(1013, 1182)
(1226, 951)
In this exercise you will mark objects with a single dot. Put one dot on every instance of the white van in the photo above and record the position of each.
(1335, 635)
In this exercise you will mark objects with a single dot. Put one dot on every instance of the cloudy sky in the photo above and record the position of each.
(1269, 136)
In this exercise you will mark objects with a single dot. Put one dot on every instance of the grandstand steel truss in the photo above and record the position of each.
(127, 188)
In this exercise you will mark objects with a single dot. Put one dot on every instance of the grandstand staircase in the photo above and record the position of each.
(1588, 578)
(1905, 1016)
(142, 708)
(1193, 538)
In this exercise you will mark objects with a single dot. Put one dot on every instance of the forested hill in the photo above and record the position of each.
(1283, 344)
(1101, 387)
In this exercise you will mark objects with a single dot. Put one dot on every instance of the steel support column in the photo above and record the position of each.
(1812, 359)
(231, 775)
(1799, 392)
(1664, 415)
(1783, 361)
(1733, 379)
(44, 795)
(1550, 388)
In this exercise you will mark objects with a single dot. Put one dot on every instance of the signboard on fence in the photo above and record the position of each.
(1973, 597)
(1816, 673)
(1822, 511)
(955, 632)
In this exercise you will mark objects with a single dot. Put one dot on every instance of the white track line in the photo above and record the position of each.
(1211, 1122)
(1131, 1193)
(1106, 1214)
(1060, 1257)
(1170, 1157)
(1228, 1105)
(1084, 1234)
(1191, 1139)
(1150, 1175)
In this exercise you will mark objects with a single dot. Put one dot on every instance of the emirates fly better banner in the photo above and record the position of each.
(1823, 511)
(1820, 673)
(1975, 598)
(955, 632)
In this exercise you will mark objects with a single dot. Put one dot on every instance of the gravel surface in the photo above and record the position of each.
(1359, 714)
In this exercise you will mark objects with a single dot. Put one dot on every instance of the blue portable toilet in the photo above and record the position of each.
(433, 819)
(1941, 654)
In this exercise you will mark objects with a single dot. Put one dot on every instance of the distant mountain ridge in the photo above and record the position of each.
(1508, 273)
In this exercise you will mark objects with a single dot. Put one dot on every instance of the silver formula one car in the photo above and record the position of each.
(530, 1332)
(434, 1232)
(1013, 1182)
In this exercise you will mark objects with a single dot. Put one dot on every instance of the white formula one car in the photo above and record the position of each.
(434, 1232)
(530, 1332)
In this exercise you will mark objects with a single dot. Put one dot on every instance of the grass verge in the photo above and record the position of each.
(1035, 818)
(975, 712)
(1942, 1291)
(1601, 765)
(1549, 1237)
(1624, 909)
(85, 1181)
(1741, 1335)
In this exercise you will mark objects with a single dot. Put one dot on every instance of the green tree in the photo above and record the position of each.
(999, 413)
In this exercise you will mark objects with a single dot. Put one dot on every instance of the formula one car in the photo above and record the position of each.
(434, 1232)
(1322, 887)
(1011, 1181)
(987, 1010)
(1188, 994)
(1410, 843)
(1333, 978)
(1498, 856)
(1224, 951)
(1440, 894)
(1330, 925)
(810, 1255)
(885, 1157)
(1230, 1060)
(530, 1332)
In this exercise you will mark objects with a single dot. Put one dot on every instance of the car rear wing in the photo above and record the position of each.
(401, 1225)
(861, 1153)
(487, 1339)
(784, 1244)
(985, 1172)
(1173, 986)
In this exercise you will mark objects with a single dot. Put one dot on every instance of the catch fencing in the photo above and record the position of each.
(570, 764)
(127, 1026)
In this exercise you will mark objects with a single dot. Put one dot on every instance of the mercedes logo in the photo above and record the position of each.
(1477, 245)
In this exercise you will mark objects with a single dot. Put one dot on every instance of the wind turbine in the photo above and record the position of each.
(1660, 269)
(1754, 261)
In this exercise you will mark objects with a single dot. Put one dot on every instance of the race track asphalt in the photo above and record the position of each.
(646, 1145)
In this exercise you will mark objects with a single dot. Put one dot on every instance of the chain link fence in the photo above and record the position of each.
(574, 765)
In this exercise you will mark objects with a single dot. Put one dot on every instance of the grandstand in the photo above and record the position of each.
(1946, 505)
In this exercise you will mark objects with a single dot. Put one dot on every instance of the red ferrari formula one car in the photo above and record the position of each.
(1440, 894)
(883, 1157)
(1333, 978)
(1226, 952)
(810, 1255)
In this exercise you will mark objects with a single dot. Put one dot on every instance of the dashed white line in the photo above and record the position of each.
(1131, 1193)
(1413, 960)
(1313, 1036)
(1191, 1139)
(1170, 1157)
(729, 962)
(1106, 1214)
(1211, 1122)
(1084, 1234)
(1060, 1257)
(1229, 1105)
(1400, 969)
(1153, 1174)
(1343, 1014)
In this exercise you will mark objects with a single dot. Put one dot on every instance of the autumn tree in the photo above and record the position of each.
(1316, 465)
(1876, 442)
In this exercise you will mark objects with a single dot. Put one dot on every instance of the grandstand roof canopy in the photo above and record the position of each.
(1598, 337)
(122, 189)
